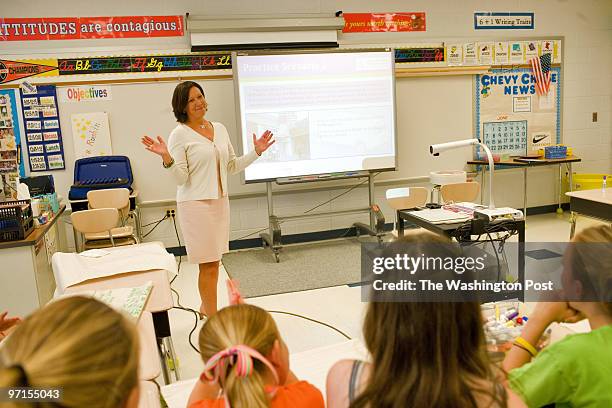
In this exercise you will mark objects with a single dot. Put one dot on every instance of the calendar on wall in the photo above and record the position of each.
(508, 137)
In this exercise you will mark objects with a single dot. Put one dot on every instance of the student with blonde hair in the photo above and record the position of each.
(79, 345)
(577, 370)
(247, 364)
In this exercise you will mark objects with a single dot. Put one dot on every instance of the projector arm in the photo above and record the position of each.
(441, 147)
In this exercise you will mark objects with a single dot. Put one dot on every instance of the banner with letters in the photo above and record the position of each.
(380, 22)
(89, 28)
(42, 128)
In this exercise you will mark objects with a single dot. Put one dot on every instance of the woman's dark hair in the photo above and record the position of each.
(180, 99)
(427, 354)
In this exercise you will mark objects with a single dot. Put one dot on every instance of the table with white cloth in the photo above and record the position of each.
(125, 267)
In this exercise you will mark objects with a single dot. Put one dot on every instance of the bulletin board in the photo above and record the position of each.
(11, 163)
(42, 128)
(510, 117)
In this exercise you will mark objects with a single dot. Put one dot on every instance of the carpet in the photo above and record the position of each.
(302, 267)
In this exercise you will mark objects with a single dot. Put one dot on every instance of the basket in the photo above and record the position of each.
(16, 220)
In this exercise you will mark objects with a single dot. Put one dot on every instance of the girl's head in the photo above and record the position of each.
(242, 349)
(188, 101)
(587, 275)
(77, 344)
(425, 353)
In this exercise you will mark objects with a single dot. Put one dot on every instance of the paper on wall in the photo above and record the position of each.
(531, 49)
(521, 104)
(517, 54)
(469, 54)
(91, 134)
(454, 54)
(485, 53)
(546, 47)
(546, 102)
(501, 53)
(557, 51)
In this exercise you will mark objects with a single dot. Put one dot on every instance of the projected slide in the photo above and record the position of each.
(330, 112)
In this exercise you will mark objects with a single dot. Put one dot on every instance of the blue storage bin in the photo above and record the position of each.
(555, 152)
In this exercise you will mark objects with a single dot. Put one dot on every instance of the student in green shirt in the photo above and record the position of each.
(576, 371)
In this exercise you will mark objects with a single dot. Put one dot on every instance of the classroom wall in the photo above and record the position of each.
(585, 25)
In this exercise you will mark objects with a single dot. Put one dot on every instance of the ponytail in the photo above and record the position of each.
(233, 343)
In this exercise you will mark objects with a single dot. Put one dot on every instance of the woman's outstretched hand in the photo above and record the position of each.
(156, 146)
(263, 143)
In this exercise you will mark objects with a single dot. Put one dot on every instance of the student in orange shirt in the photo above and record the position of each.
(247, 364)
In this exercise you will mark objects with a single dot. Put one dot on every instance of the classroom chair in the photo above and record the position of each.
(404, 198)
(118, 198)
(95, 227)
(460, 192)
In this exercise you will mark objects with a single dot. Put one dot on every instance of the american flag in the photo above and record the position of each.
(541, 72)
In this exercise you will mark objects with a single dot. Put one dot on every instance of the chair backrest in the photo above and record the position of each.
(406, 197)
(96, 220)
(118, 198)
(459, 192)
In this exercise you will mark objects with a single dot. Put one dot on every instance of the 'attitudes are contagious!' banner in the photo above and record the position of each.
(85, 28)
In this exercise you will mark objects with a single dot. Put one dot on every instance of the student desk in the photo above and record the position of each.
(513, 163)
(592, 203)
(79, 205)
(144, 270)
(26, 277)
(447, 229)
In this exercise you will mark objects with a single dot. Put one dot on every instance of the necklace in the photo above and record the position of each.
(204, 125)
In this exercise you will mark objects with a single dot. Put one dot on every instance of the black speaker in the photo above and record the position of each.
(39, 185)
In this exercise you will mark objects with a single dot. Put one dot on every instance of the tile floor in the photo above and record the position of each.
(339, 306)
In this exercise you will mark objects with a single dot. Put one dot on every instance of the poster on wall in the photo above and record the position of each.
(11, 163)
(511, 117)
(380, 22)
(16, 70)
(91, 134)
(90, 28)
(42, 128)
(503, 21)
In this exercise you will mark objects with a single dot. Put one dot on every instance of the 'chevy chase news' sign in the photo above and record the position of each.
(503, 21)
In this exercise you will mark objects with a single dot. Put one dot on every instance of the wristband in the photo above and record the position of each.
(525, 345)
(167, 166)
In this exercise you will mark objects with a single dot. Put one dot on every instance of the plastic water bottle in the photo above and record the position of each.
(603, 184)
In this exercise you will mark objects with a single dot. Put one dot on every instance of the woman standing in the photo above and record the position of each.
(199, 155)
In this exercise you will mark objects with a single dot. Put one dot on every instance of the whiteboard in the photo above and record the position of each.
(330, 112)
(429, 110)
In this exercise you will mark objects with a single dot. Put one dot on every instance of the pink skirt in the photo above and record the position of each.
(205, 227)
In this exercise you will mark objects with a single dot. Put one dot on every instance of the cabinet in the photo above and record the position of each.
(26, 275)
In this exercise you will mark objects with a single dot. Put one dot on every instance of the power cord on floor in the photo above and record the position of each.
(197, 314)
(178, 297)
(315, 207)
(312, 320)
